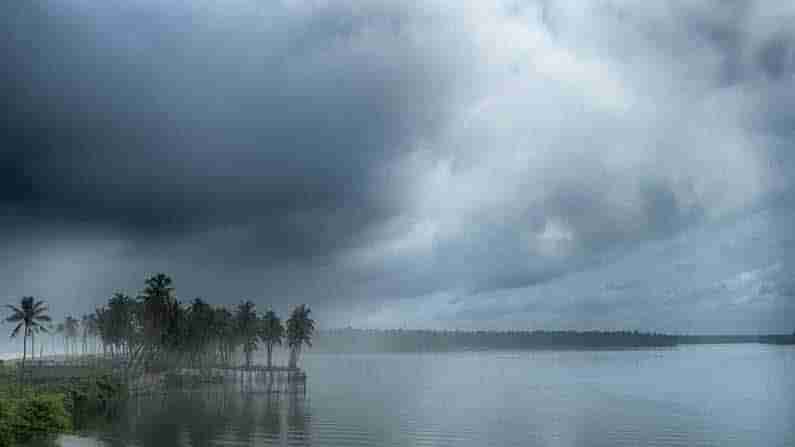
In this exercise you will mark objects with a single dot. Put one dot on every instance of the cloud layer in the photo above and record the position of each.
(378, 158)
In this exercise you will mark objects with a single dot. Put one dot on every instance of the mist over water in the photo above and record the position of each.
(732, 395)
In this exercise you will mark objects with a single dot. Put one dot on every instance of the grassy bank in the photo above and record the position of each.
(31, 409)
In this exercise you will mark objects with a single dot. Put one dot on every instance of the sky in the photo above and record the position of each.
(588, 164)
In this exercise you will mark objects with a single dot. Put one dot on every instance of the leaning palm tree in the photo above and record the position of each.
(29, 316)
(300, 328)
(271, 333)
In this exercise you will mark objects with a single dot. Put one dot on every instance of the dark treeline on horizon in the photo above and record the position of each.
(403, 340)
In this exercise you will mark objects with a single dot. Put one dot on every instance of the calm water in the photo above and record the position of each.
(736, 395)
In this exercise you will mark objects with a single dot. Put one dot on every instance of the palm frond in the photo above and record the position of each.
(39, 327)
(15, 317)
(16, 330)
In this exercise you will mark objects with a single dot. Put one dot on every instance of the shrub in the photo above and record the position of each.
(40, 414)
(36, 410)
(7, 416)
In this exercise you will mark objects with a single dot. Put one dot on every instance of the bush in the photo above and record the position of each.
(30, 415)
(54, 406)
(7, 415)
(42, 414)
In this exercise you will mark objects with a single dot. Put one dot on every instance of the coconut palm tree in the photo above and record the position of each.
(159, 303)
(29, 316)
(300, 328)
(271, 332)
(84, 326)
(71, 329)
(224, 330)
(247, 328)
(60, 329)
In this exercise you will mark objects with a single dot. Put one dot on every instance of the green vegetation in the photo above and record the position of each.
(248, 328)
(157, 332)
(358, 340)
(300, 328)
(152, 332)
(271, 333)
(44, 406)
(31, 414)
(364, 340)
(29, 316)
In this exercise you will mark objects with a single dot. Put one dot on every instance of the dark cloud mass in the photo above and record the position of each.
(441, 164)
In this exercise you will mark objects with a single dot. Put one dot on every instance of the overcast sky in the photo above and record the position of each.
(588, 164)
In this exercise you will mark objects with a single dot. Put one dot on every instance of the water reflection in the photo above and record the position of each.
(210, 416)
(665, 398)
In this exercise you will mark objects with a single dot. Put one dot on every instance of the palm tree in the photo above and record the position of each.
(247, 322)
(224, 330)
(159, 302)
(84, 325)
(300, 328)
(29, 315)
(60, 329)
(271, 332)
(71, 326)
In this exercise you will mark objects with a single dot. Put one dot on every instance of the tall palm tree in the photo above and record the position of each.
(201, 330)
(71, 328)
(271, 332)
(29, 316)
(86, 326)
(60, 329)
(300, 328)
(247, 327)
(224, 330)
(159, 302)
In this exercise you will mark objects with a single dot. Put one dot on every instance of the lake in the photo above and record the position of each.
(712, 395)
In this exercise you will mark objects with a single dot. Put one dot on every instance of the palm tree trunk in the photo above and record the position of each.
(24, 349)
(32, 345)
(270, 352)
(293, 357)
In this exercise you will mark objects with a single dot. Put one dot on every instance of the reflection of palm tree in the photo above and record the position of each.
(272, 419)
(246, 419)
(29, 317)
(271, 333)
(300, 328)
(298, 420)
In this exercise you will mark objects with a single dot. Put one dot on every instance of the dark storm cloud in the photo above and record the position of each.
(463, 157)
(155, 118)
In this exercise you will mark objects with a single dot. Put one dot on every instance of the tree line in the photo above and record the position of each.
(402, 340)
(155, 329)
(408, 340)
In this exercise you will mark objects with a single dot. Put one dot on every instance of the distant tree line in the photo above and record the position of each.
(155, 329)
(398, 340)
(366, 340)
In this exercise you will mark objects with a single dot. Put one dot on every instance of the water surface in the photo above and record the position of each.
(731, 395)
